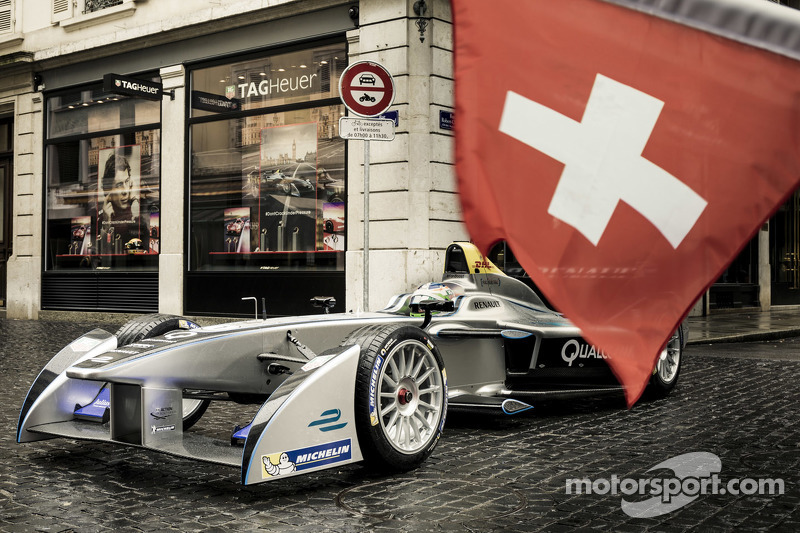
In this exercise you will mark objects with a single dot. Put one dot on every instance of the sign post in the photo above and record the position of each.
(366, 89)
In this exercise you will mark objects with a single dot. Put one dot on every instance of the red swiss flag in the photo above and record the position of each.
(625, 158)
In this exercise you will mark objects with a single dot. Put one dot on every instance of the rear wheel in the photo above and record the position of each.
(668, 367)
(153, 325)
(400, 396)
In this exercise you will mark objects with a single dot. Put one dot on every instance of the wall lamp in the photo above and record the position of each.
(422, 23)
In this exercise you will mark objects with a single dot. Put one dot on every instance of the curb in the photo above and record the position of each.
(749, 337)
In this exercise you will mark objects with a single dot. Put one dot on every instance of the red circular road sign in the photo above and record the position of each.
(366, 88)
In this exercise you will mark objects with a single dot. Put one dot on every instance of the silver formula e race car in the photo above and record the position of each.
(326, 389)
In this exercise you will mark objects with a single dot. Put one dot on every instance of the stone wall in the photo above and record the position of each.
(414, 210)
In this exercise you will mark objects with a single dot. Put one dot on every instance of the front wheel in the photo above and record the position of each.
(400, 396)
(193, 410)
(153, 325)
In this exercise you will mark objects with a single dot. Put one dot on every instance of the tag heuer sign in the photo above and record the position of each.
(125, 85)
(214, 103)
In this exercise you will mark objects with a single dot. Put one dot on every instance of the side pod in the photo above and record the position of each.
(53, 395)
(308, 423)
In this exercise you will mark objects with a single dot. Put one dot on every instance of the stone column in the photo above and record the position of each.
(25, 265)
(173, 230)
(414, 211)
(764, 271)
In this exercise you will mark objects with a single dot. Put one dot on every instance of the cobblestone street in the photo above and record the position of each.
(485, 475)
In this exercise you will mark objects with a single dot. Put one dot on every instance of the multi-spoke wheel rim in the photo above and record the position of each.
(669, 360)
(190, 406)
(410, 396)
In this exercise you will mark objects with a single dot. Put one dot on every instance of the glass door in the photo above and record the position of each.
(784, 252)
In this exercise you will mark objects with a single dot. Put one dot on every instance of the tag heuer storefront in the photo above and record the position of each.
(216, 178)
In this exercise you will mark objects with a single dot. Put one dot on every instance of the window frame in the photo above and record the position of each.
(242, 114)
(48, 260)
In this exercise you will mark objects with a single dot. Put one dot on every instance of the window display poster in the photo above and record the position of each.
(155, 228)
(81, 240)
(288, 188)
(333, 226)
(120, 222)
(237, 230)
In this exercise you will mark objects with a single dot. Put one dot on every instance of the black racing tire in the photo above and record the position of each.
(153, 325)
(400, 396)
(668, 367)
(149, 326)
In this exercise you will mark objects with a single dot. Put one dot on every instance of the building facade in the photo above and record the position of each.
(181, 157)
(184, 157)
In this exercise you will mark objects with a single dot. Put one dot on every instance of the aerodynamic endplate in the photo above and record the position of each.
(309, 422)
(98, 410)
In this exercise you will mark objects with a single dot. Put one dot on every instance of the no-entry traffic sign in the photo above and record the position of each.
(366, 88)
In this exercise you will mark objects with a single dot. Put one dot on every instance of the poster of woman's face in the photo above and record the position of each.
(119, 183)
(119, 200)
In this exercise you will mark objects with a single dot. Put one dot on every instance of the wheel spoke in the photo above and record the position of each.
(430, 390)
(389, 408)
(427, 405)
(407, 425)
(422, 420)
(417, 368)
(425, 375)
(412, 424)
(397, 434)
(402, 362)
(392, 423)
(389, 381)
(395, 372)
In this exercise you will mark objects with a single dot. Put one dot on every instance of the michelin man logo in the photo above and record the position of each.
(284, 465)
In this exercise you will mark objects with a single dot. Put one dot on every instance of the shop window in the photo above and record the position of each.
(103, 182)
(267, 173)
(738, 284)
(301, 76)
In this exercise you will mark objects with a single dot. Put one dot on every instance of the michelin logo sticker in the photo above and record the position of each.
(373, 390)
(282, 463)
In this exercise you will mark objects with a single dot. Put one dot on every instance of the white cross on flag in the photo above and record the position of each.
(626, 158)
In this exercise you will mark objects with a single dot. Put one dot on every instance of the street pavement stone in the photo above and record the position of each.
(486, 475)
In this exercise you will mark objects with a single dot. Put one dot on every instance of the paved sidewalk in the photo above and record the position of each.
(487, 475)
(745, 326)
